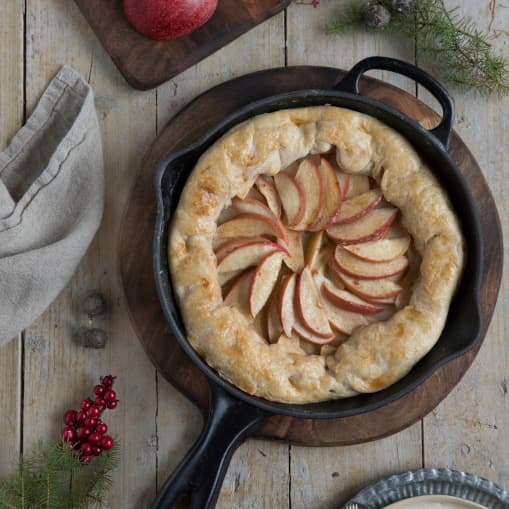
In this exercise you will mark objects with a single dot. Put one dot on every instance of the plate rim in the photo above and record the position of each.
(434, 481)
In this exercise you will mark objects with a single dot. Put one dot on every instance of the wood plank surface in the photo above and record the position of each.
(11, 118)
(58, 373)
(258, 473)
(324, 477)
(468, 431)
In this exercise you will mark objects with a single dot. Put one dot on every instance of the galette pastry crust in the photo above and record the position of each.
(376, 355)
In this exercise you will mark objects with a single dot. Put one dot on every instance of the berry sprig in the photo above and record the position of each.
(85, 431)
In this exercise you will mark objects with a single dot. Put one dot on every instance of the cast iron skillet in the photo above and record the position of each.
(232, 412)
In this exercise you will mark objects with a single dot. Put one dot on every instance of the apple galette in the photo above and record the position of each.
(314, 255)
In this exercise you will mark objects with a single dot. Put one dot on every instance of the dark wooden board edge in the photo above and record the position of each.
(144, 308)
(133, 53)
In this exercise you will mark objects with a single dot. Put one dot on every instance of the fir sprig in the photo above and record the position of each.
(456, 48)
(55, 478)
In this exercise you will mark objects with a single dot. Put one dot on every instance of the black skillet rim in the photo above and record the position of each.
(163, 281)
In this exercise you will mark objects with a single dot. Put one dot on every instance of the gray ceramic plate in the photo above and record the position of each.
(430, 481)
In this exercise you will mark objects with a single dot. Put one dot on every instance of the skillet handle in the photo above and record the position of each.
(201, 472)
(350, 84)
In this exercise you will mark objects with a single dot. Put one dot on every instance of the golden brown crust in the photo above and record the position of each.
(376, 355)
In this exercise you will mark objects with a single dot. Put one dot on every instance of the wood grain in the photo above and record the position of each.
(146, 63)
(11, 118)
(469, 430)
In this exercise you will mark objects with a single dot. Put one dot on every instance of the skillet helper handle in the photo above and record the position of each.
(201, 472)
(350, 84)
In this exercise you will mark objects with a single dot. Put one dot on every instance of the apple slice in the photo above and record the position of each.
(266, 186)
(238, 296)
(292, 197)
(383, 250)
(313, 247)
(348, 301)
(309, 336)
(359, 184)
(227, 247)
(264, 280)
(357, 207)
(247, 255)
(225, 277)
(344, 183)
(386, 300)
(248, 225)
(361, 269)
(341, 320)
(309, 306)
(286, 306)
(366, 288)
(274, 326)
(332, 194)
(295, 260)
(373, 225)
(250, 206)
(310, 180)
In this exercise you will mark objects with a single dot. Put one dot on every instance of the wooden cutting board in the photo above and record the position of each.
(146, 63)
(135, 257)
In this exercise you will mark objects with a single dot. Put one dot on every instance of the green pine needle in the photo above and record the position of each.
(457, 49)
(54, 478)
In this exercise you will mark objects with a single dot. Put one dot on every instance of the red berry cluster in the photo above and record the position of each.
(84, 428)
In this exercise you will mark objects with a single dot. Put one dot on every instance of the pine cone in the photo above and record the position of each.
(377, 16)
(403, 6)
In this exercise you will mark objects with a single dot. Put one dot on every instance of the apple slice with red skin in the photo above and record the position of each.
(250, 206)
(361, 269)
(367, 288)
(295, 260)
(379, 251)
(307, 335)
(267, 189)
(332, 195)
(373, 225)
(348, 301)
(341, 320)
(359, 184)
(310, 307)
(227, 247)
(310, 180)
(238, 296)
(356, 208)
(344, 183)
(286, 306)
(248, 225)
(264, 280)
(247, 255)
(292, 197)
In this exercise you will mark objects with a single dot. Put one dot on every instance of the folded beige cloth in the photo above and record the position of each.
(51, 200)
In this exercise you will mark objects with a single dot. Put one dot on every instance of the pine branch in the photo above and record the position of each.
(54, 478)
(457, 49)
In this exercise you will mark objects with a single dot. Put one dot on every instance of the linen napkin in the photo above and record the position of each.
(51, 200)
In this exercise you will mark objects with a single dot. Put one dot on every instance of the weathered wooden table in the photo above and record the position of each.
(42, 372)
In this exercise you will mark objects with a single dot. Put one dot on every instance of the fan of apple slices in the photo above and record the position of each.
(312, 253)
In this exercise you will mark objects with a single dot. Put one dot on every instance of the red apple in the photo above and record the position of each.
(168, 19)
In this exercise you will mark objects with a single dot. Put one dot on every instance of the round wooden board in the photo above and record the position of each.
(136, 257)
